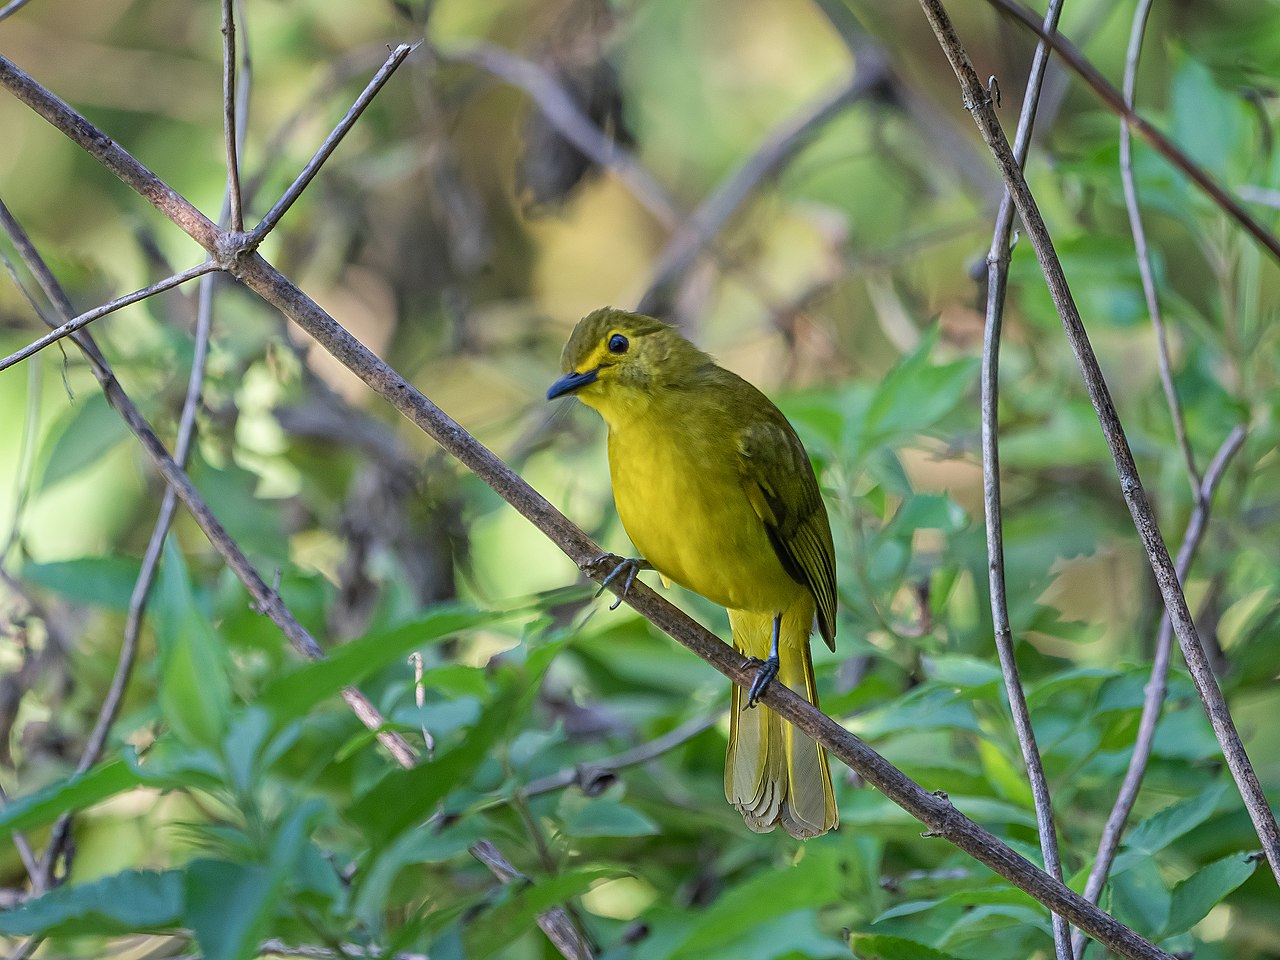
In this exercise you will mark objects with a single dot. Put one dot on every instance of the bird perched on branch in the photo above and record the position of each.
(717, 493)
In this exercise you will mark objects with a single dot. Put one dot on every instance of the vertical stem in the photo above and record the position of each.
(229, 128)
(997, 281)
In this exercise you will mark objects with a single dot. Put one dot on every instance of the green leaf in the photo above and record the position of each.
(493, 929)
(130, 902)
(1195, 896)
(195, 692)
(602, 817)
(761, 897)
(99, 581)
(75, 793)
(80, 438)
(297, 692)
(403, 797)
(229, 905)
(1157, 832)
(878, 946)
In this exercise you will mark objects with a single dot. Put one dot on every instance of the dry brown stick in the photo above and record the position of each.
(977, 102)
(86, 318)
(1157, 684)
(933, 809)
(1114, 99)
(997, 283)
(1132, 54)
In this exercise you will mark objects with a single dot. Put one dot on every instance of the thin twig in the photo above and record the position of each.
(979, 106)
(78, 323)
(593, 777)
(997, 282)
(1114, 99)
(935, 811)
(330, 144)
(1157, 684)
(565, 115)
(1140, 247)
(229, 126)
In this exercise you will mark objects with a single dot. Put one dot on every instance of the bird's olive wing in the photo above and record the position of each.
(780, 485)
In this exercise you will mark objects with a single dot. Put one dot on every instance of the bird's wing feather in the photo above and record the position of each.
(780, 485)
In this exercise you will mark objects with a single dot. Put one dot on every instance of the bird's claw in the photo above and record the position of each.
(632, 566)
(766, 670)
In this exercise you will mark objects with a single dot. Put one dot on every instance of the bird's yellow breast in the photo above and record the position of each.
(680, 496)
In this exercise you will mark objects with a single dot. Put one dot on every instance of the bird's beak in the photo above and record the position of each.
(571, 382)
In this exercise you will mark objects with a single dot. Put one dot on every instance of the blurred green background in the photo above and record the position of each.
(457, 235)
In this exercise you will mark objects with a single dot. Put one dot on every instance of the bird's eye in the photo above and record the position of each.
(618, 343)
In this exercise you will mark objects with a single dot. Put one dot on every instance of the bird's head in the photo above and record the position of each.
(615, 359)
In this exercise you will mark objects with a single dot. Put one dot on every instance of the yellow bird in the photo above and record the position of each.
(717, 493)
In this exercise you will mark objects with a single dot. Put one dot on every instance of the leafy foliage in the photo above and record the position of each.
(239, 800)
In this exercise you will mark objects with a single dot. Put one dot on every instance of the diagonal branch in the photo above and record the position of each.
(979, 105)
(934, 810)
(997, 283)
(1153, 697)
(330, 144)
(1114, 99)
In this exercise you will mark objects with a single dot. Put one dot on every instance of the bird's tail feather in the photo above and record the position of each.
(773, 772)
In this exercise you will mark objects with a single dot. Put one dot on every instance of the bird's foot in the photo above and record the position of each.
(629, 567)
(766, 670)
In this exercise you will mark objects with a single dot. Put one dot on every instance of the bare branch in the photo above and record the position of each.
(82, 321)
(934, 810)
(1113, 98)
(229, 126)
(27, 855)
(330, 144)
(979, 106)
(1154, 694)
(997, 283)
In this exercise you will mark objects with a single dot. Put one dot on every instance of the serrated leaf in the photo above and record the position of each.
(81, 437)
(1195, 896)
